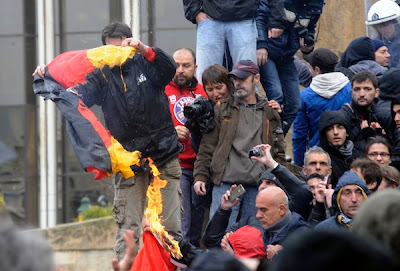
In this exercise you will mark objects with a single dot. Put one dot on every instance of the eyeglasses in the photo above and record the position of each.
(376, 154)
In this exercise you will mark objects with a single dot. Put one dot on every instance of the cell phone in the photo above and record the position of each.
(327, 179)
(237, 192)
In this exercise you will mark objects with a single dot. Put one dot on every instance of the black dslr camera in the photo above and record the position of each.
(308, 37)
(201, 112)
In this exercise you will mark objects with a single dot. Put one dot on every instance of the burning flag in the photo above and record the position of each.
(97, 150)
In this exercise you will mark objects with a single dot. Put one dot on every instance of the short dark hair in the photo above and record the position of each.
(215, 74)
(115, 30)
(315, 175)
(378, 140)
(363, 76)
(370, 170)
(190, 51)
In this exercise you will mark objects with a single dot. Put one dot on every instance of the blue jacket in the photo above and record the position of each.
(286, 45)
(328, 94)
(348, 178)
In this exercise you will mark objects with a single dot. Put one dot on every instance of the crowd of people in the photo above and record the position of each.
(229, 134)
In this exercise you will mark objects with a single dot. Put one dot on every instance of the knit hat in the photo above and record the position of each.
(268, 175)
(378, 44)
(247, 242)
(244, 68)
(324, 58)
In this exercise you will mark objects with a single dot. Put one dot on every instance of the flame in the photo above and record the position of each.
(154, 209)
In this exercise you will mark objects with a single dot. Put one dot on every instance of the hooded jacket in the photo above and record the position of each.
(348, 178)
(389, 89)
(360, 56)
(216, 145)
(178, 97)
(134, 104)
(328, 91)
(340, 163)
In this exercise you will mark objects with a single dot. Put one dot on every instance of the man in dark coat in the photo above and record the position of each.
(273, 219)
(361, 111)
(389, 88)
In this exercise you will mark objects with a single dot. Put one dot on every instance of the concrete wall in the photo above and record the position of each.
(86, 245)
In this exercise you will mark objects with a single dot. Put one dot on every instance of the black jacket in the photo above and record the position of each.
(271, 14)
(298, 192)
(339, 162)
(389, 89)
(356, 115)
(226, 11)
(217, 227)
(138, 116)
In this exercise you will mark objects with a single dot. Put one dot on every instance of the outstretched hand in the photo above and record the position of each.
(266, 157)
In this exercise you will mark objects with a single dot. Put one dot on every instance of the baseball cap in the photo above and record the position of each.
(324, 58)
(244, 68)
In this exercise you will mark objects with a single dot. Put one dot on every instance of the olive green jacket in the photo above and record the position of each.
(216, 145)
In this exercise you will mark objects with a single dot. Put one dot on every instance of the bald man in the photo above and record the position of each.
(273, 219)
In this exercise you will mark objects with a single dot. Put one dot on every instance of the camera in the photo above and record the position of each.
(200, 113)
(308, 37)
(255, 152)
(196, 109)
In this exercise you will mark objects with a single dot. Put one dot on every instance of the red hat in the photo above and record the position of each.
(247, 242)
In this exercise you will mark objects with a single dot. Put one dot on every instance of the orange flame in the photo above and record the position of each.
(154, 209)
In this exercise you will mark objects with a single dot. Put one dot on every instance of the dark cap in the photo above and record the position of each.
(324, 58)
(378, 44)
(244, 68)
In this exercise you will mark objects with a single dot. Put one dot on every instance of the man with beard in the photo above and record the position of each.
(182, 90)
(242, 121)
(360, 113)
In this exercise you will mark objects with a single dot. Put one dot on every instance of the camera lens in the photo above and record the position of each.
(255, 152)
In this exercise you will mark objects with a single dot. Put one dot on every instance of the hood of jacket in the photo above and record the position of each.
(327, 85)
(368, 65)
(348, 178)
(358, 50)
(389, 85)
(329, 118)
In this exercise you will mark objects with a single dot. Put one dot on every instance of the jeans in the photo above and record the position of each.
(192, 219)
(212, 36)
(281, 83)
(130, 202)
(246, 205)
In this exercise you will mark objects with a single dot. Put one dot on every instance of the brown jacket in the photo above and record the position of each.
(216, 145)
